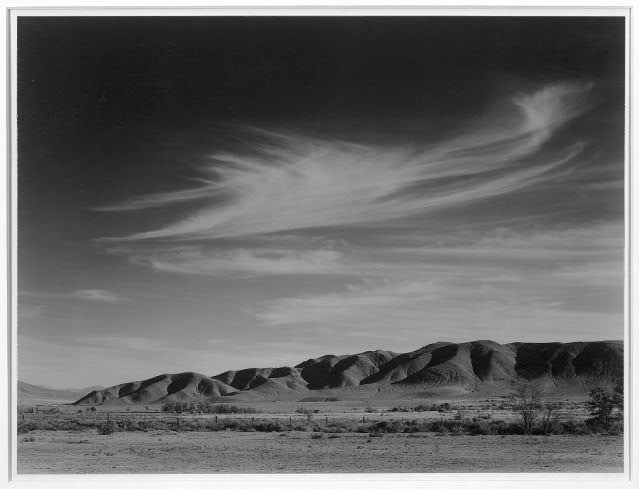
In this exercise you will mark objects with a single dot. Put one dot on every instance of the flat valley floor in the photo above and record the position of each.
(254, 452)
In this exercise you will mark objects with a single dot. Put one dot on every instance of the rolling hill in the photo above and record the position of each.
(465, 366)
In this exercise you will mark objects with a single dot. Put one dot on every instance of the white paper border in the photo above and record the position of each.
(8, 225)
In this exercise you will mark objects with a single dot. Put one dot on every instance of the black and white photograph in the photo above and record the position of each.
(321, 244)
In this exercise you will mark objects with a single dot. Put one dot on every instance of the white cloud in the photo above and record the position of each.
(246, 263)
(123, 342)
(603, 272)
(379, 299)
(98, 295)
(301, 182)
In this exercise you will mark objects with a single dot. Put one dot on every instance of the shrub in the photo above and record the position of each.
(602, 405)
(572, 427)
(317, 436)
(267, 426)
(206, 407)
(616, 428)
(226, 409)
(480, 427)
(107, 429)
(438, 427)
(169, 407)
(400, 409)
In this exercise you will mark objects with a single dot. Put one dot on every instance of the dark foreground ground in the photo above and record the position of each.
(242, 452)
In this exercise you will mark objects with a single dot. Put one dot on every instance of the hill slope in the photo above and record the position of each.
(465, 366)
(29, 393)
(186, 386)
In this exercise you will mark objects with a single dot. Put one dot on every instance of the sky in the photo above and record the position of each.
(205, 194)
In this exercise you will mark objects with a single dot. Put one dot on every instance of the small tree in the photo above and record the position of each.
(526, 401)
(602, 404)
(550, 415)
(619, 391)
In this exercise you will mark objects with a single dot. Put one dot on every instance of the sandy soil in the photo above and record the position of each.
(236, 452)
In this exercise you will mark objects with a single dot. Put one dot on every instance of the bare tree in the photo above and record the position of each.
(550, 415)
(526, 401)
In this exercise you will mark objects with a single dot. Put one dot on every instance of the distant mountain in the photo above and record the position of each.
(34, 394)
(465, 366)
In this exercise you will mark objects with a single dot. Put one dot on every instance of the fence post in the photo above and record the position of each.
(363, 419)
(178, 422)
(216, 419)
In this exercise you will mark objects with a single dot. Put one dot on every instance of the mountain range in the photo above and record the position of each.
(463, 366)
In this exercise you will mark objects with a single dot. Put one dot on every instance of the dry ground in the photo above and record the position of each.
(237, 452)
(169, 451)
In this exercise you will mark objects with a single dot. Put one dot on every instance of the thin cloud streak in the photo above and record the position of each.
(91, 295)
(98, 295)
(161, 199)
(242, 263)
(496, 252)
(368, 298)
(126, 343)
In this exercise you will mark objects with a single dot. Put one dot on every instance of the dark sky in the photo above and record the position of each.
(98, 74)
(267, 167)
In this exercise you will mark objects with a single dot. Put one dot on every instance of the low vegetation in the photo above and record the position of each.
(441, 408)
(465, 426)
(26, 409)
(206, 407)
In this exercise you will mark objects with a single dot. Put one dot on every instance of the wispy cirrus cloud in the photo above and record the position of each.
(281, 255)
(162, 199)
(98, 295)
(124, 342)
(286, 184)
(369, 298)
(558, 274)
(300, 182)
(246, 262)
(92, 295)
